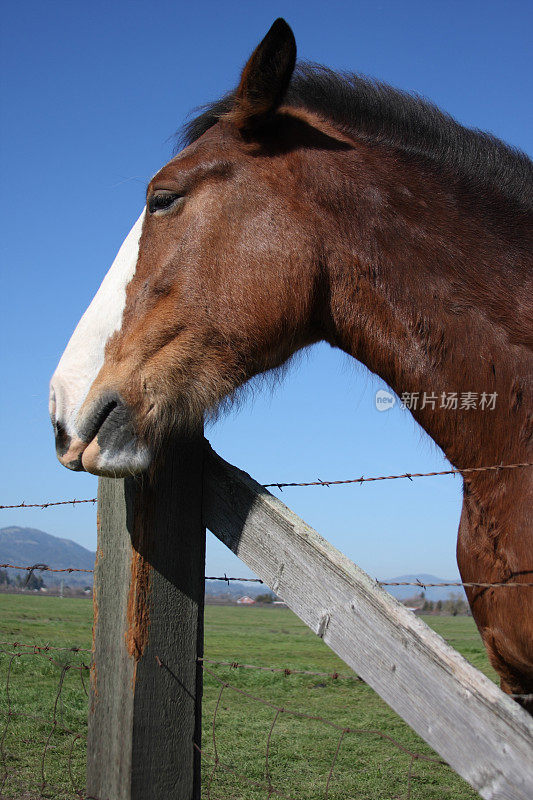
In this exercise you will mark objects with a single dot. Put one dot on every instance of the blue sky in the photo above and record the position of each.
(91, 94)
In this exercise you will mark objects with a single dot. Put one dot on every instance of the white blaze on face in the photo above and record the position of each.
(84, 356)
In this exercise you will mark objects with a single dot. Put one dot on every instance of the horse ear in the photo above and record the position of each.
(265, 78)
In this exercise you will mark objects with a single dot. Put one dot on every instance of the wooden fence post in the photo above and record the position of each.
(483, 734)
(146, 683)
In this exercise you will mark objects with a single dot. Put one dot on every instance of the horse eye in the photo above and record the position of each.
(162, 201)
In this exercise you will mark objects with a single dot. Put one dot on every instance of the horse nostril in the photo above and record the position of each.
(90, 427)
(62, 437)
(61, 431)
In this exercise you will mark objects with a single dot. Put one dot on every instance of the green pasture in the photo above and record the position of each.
(52, 684)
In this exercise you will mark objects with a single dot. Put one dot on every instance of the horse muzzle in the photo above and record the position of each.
(102, 440)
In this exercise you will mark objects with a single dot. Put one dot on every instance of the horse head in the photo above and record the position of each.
(216, 282)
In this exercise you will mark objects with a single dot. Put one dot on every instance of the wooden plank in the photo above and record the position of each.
(146, 684)
(483, 734)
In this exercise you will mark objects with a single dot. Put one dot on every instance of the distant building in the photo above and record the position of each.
(245, 601)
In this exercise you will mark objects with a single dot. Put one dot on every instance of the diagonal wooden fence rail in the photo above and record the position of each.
(144, 737)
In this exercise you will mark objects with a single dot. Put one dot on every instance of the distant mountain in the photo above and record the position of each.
(431, 593)
(235, 589)
(28, 546)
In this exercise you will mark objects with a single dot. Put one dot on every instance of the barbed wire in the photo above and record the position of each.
(55, 723)
(228, 579)
(319, 482)
(16, 650)
(468, 584)
(408, 475)
(52, 503)
(10, 766)
(334, 676)
(285, 670)
(44, 568)
(280, 711)
(44, 648)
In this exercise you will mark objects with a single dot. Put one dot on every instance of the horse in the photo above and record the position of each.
(309, 206)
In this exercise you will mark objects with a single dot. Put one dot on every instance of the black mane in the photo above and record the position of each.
(366, 108)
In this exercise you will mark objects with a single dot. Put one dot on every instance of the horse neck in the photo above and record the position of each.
(428, 289)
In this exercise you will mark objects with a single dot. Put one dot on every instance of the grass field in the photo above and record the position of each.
(301, 751)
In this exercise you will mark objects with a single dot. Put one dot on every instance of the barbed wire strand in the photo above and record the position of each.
(42, 649)
(285, 670)
(408, 475)
(213, 734)
(45, 568)
(81, 667)
(54, 722)
(282, 710)
(316, 718)
(37, 648)
(319, 482)
(226, 579)
(216, 763)
(471, 584)
(51, 503)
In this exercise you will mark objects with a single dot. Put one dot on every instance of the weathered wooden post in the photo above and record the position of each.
(146, 686)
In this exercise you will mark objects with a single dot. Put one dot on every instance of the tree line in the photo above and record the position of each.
(455, 605)
(19, 581)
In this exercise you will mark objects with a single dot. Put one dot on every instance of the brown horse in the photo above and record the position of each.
(314, 206)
